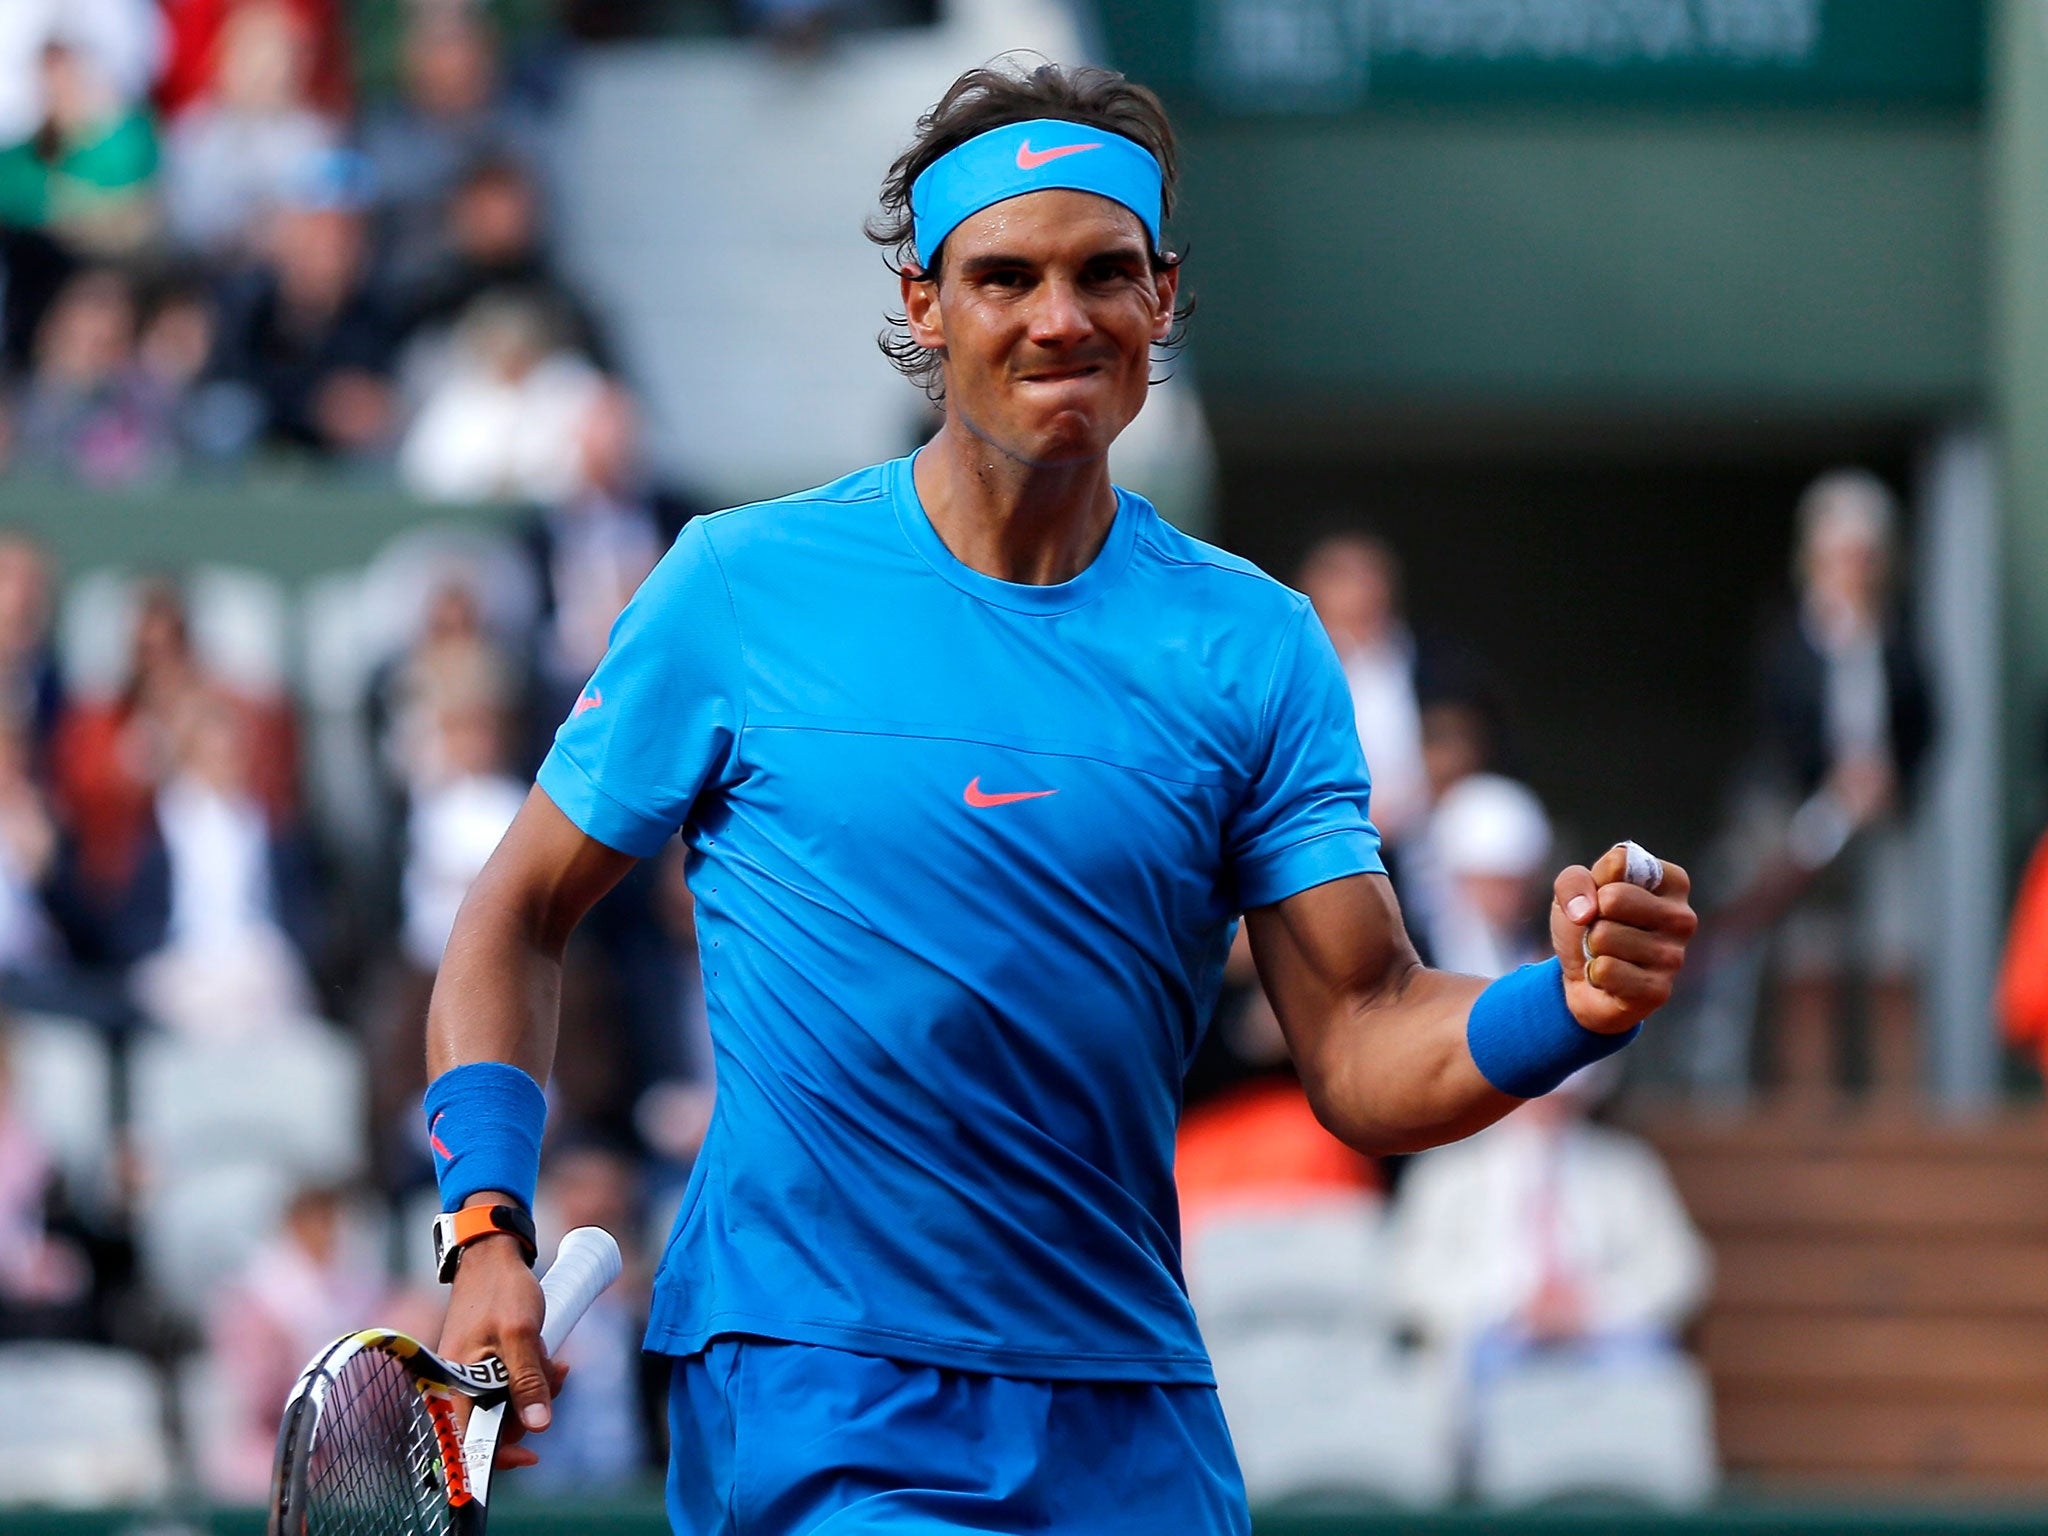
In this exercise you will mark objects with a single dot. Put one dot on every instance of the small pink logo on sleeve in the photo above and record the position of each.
(434, 1136)
(591, 700)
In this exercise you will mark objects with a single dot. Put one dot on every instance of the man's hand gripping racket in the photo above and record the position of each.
(1621, 929)
(372, 1443)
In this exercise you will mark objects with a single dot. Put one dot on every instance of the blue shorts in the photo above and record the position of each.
(774, 1439)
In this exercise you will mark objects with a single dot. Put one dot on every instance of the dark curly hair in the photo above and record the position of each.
(995, 96)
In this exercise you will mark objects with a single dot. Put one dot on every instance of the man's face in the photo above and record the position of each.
(1046, 312)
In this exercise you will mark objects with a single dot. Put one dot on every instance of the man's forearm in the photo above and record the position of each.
(1395, 1074)
(498, 996)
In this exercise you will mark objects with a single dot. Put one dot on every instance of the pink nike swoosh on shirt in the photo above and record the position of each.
(1029, 159)
(980, 799)
(591, 700)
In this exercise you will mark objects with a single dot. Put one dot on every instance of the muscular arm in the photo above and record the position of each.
(498, 998)
(1379, 1039)
(498, 995)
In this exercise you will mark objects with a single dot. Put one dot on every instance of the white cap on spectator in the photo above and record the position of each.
(1489, 825)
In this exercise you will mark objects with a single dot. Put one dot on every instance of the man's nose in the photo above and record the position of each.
(1060, 317)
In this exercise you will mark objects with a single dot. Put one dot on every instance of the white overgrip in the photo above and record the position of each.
(585, 1264)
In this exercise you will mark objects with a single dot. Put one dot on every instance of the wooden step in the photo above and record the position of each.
(1856, 1353)
(1880, 1274)
(1885, 1195)
(1829, 1436)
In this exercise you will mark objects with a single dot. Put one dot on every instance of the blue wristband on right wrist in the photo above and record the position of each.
(484, 1121)
(1523, 1037)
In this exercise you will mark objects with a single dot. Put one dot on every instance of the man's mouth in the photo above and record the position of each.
(1060, 375)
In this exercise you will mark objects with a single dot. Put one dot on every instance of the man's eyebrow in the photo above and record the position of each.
(997, 261)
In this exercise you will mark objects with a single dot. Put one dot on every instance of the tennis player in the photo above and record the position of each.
(978, 762)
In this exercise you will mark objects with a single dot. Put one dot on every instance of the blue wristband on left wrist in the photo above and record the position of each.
(1524, 1038)
(485, 1120)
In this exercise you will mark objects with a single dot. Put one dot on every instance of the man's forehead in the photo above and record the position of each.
(1053, 221)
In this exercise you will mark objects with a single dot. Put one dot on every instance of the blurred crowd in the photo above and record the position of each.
(235, 822)
(212, 250)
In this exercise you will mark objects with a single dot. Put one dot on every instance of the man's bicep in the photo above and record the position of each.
(1328, 950)
(550, 870)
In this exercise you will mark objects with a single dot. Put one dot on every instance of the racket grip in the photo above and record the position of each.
(585, 1264)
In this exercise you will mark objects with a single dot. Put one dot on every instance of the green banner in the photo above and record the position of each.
(1323, 56)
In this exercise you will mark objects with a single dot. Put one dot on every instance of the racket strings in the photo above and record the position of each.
(375, 1466)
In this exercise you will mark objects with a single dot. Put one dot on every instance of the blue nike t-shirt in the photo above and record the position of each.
(966, 855)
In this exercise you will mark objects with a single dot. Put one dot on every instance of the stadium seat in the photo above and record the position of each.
(239, 620)
(1317, 1413)
(63, 1089)
(241, 627)
(398, 584)
(1556, 1428)
(198, 1229)
(93, 628)
(335, 669)
(291, 1096)
(1319, 1262)
(80, 1425)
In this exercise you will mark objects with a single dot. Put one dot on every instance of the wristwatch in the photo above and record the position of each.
(454, 1230)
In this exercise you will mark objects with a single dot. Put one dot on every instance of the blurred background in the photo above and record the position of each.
(1652, 395)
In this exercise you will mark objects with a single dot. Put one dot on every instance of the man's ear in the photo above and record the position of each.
(921, 311)
(1166, 284)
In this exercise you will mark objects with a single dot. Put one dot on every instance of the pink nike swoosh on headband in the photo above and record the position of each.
(1029, 159)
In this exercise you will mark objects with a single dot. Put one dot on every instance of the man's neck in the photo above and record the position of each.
(1033, 524)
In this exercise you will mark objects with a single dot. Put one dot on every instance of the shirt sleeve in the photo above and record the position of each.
(660, 718)
(1303, 820)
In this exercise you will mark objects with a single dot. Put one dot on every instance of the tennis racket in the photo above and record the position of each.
(371, 1445)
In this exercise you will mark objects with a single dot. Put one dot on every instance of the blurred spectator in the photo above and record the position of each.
(211, 421)
(504, 422)
(673, 1110)
(457, 818)
(600, 1435)
(87, 409)
(31, 697)
(109, 756)
(1546, 1232)
(84, 171)
(33, 269)
(222, 912)
(195, 54)
(232, 156)
(125, 39)
(44, 1280)
(1462, 731)
(1846, 724)
(1355, 583)
(595, 546)
(306, 1286)
(453, 114)
(494, 242)
(2023, 973)
(1490, 841)
(306, 332)
(29, 942)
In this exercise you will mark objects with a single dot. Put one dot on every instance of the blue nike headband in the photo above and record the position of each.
(1036, 156)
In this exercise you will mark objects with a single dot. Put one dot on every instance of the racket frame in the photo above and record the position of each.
(466, 1458)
